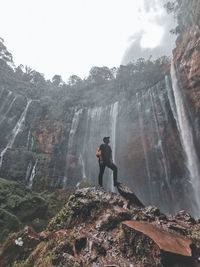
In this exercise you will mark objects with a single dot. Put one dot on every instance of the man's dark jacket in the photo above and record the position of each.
(106, 153)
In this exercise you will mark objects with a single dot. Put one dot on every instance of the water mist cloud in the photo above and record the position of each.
(155, 38)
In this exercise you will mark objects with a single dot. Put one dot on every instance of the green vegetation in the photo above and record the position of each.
(187, 13)
(19, 206)
(101, 84)
(195, 236)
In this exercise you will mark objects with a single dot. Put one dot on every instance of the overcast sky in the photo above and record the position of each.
(70, 36)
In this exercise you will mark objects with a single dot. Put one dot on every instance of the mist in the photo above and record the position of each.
(156, 26)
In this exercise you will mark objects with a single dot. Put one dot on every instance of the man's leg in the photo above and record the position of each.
(113, 167)
(101, 172)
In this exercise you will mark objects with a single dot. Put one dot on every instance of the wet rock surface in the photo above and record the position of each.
(99, 228)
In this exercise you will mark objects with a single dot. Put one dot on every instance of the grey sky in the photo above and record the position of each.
(70, 36)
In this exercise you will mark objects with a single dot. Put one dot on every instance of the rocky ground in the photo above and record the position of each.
(98, 228)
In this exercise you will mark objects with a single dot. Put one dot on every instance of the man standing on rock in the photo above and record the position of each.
(104, 153)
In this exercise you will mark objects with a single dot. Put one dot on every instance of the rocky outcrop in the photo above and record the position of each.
(166, 247)
(98, 228)
(187, 59)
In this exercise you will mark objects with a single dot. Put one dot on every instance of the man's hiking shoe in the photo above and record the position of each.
(117, 184)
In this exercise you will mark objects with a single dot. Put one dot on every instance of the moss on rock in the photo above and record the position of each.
(19, 205)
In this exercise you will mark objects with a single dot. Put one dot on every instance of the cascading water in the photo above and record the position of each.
(87, 131)
(28, 171)
(6, 101)
(171, 100)
(113, 115)
(186, 138)
(159, 137)
(8, 110)
(141, 125)
(32, 176)
(71, 143)
(100, 122)
(81, 162)
(153, 182)
(18, 128)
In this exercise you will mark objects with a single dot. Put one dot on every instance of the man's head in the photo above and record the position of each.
(106, 139)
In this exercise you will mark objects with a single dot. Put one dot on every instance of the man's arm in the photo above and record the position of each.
(100, 157)
(111, 160)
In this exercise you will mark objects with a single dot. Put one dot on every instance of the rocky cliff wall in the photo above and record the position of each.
(51, 146)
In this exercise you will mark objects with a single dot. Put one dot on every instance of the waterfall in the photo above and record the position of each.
(2, 91)
(70, 146)
(6, 100)
(32, 144)
(18, 128)
(113, 115)
(8, 110)
(186, 138)
(28, 139)
(99, 122)
(88, 128)
(75, 123)
(171, 100)
(159, 138)
(81, 161)
(28, 171)
(141, 125)
(33, 173)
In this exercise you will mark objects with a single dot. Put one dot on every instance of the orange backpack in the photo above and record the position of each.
(98, 154)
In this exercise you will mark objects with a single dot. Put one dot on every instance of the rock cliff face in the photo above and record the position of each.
(47, 145)
(50, 146)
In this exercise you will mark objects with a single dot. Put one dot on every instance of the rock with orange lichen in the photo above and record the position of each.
(47, 135)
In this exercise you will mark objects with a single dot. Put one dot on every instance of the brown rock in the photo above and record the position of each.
(167, 248)
(48, 135)
(61, 233)
(185, 217)
(167, 241)
(45, 235)
(112, 217)
(128, 194)
(30, 236)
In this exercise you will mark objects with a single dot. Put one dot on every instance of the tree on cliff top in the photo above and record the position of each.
(100, 75)
(187, 13)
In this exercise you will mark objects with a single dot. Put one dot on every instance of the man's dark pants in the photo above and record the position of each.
(111, 166)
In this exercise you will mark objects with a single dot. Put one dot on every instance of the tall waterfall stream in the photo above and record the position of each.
(186, 134)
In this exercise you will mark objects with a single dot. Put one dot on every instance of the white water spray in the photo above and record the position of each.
(74, 126)
(18, 128)
(6, 100)
(159, 138)
(186, 138)
(9, 108)
(33, 173)
(82, 163)
(141, 124)
(113, 115)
